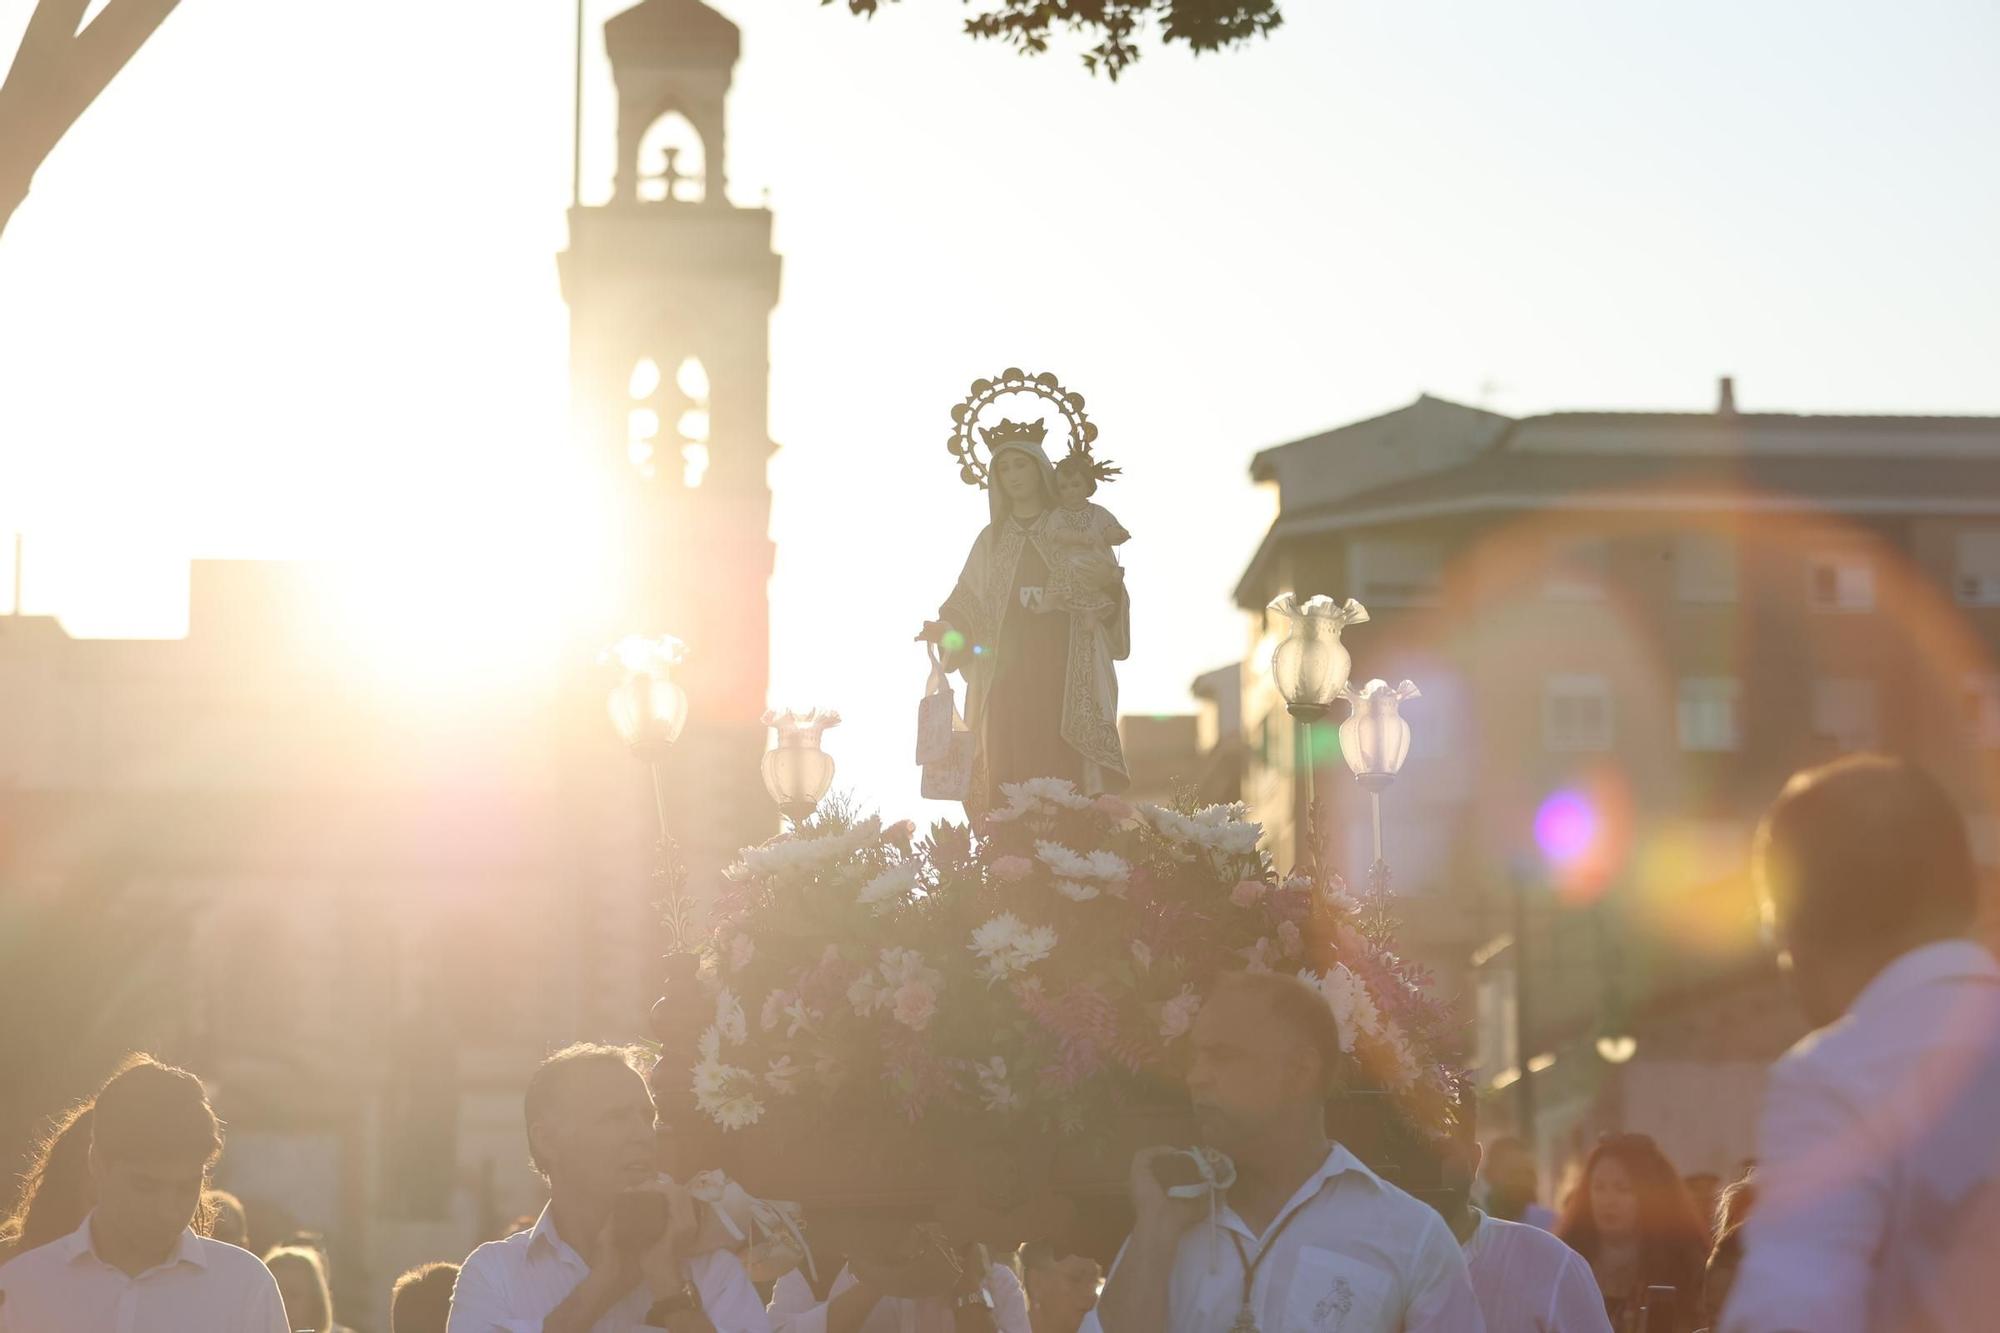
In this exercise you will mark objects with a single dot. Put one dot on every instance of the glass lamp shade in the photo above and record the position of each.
(1310, 665)
(797, 773)
(647, 708)
(1375, 740)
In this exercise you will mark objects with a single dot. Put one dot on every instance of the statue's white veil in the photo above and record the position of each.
(996, 500)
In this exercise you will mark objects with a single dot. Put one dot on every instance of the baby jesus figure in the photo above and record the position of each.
(1078, 530)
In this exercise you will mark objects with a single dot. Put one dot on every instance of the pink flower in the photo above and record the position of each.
(915, 1003)
(1112, 806)
(1290, 942)
(1012, 868)
(1247, 893)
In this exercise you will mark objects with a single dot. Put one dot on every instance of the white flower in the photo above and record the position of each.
(900, 967)
(783, 1076)
(994, 1089)
(1290, 942)
(1221, 830)
(810, 850)
(1104, 868)
(1177, 1014)
(741, 949)
(997, 935)
(1075, 890)
(1109, 866)
(725, 1093)
(890, 885)
(1008, 946)
(773, 1010)
(802, 1018)
(739, 1112)
(1354, 1010)
(1062, 860)
(1038, 796)
(865, 995)
(729, 1019)
(1142, 954)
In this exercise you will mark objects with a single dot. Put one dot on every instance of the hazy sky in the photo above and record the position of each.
(289, 289)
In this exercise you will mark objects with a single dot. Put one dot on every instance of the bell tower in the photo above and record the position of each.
(670, 290)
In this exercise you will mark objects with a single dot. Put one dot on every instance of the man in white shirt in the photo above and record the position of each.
(1878, 1208)
(135, 1265)
(1307, 1238)
(590, 1133)
(1526, 1280)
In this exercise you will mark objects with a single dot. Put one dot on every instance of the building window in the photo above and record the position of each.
(1840, 582)
(1982, 711)
(1708, 713)
(1396, 572)
(1577, 567)
(1576, 713)
(1843, 713)
(1978, 569)
(1704, 567)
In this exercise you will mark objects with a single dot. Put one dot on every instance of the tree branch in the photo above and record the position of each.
(115, 36)
(56, 74)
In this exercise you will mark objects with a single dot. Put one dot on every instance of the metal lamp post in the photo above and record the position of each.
(649, 710)
(1375, 740)
(797, 773)
(1310, 667)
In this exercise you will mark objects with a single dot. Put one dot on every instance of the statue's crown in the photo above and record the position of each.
(1013, 432)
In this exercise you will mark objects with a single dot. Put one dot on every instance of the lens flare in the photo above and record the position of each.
(1566, 828)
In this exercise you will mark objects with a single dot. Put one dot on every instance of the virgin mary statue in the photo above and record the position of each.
(1035, 622)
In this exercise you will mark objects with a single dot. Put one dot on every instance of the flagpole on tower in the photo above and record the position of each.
(576, 119)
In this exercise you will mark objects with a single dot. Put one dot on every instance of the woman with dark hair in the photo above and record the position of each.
(55, 1190)
(1632, 1219)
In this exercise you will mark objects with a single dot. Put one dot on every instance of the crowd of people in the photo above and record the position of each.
(1873, 1205)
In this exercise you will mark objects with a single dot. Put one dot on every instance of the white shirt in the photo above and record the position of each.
(1363, 1257)
(1527, 1281)
(794, 1310)
(511, 1285)
(205, 1286)
(1878, 1152)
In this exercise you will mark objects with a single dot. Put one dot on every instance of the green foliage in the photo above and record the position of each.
(1117, 25)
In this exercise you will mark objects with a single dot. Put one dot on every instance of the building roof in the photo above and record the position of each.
(673, 33)
(1668, 461)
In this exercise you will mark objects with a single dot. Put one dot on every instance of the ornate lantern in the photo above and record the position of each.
(647, 707)
(1375, 740)
(1310, 667)
(797, 772)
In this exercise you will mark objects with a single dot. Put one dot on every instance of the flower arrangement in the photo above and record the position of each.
(1044, 968)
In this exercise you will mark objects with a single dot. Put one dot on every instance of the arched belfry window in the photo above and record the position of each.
(691, 424)
(642, 422)
(668, 420)
(673, 162)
